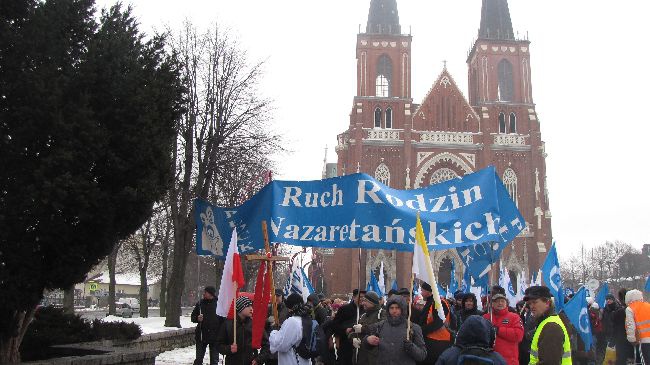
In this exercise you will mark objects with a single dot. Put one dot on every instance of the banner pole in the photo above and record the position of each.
(408, 323)
(356, 351)
(491, 281)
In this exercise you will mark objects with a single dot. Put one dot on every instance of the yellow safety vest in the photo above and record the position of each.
(566, 346)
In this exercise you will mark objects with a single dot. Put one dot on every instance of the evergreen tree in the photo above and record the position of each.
(87, 115)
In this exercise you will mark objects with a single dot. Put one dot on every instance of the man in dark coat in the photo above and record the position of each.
(475, 337)
(342, 324)
(241, 352)
(624, 349)
(389, 337)
(209, 324)
(319, 311)
(373, 313)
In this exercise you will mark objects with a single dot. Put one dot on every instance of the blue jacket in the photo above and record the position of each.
(476, 331)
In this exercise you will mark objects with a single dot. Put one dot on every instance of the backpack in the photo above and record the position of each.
(313, 342)
(474, 355)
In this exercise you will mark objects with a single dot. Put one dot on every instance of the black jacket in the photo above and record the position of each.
(245, 352)
(345, 318)
(208, 329)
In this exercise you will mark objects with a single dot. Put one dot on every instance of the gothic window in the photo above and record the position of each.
(444, 272)
(502, 123)
(510, 181)
(442, 175)
(382, 174)
(389, 118)
(384, 76)
(513, 123)
(377, 118)
(506, 86)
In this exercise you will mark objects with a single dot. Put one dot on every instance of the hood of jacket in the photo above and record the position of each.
(476, 331)
(399, 301)
(633, 296)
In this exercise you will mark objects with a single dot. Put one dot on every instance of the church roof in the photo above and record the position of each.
(383, 17)
(495, 20)
(464, 117)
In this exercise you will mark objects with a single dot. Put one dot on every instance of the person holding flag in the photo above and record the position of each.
(550, 343)
(242, 351)
(509, 329)
(435, 317)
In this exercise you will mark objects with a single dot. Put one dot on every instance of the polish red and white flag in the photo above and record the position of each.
(232, 279)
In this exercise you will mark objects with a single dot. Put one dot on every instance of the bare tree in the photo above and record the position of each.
(224, 116)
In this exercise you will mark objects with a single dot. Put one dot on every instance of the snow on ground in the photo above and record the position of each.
(179, 356)
(152, 324)
(183, 356)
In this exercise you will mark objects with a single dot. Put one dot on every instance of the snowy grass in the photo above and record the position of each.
(152, 324)
(183, 356)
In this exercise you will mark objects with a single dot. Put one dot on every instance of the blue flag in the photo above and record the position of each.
(647, 284)
(453, 283)
(374, 285)
(394, 286)
(467, 282)
(601, 296)
(552, 278)
(577, 312)
(441, 291)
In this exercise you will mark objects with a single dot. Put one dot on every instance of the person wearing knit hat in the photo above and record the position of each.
(509, 328)
(373, 313)
(241, 351)
(208, 325)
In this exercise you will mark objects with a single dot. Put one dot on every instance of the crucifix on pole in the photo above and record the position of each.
(269, 259)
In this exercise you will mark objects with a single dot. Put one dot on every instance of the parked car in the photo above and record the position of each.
(123, 310)
(133, 302)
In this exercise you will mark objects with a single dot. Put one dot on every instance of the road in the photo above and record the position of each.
(101, 313)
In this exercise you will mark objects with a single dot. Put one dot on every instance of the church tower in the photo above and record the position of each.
(406, 145)
(500, 91)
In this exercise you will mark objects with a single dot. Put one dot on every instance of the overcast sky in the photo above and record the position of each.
(590, 84)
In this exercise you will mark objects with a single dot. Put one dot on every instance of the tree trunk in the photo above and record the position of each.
(10, 346)
(144, 303)
(182, 242)
(163, 279)
(218, 271)
(112, 258)
(68, 300)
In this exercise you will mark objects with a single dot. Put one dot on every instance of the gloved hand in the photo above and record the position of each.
(356, 342)
(408, 345)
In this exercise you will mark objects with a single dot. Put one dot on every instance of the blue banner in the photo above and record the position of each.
(356, 211)
(601, 297)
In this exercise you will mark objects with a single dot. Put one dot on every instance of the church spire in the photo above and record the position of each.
(495, 20)
(383, 17)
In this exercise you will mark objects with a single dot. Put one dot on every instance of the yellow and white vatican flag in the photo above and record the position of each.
(422, 265)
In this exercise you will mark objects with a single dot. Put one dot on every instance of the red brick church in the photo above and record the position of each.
(408, 145)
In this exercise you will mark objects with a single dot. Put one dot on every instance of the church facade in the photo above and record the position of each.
(407, 145)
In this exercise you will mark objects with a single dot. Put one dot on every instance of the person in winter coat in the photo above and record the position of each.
(624, 349)
(342, 324)
(285, 340)
(373, 313)
(319, 311)
(529, 331)
(241, 352)
(509, 329)
(437, 336)
(551, 344)
(611, 305)
(475, 338)
(205, 314)
(469, 308)
(637, 322)
(389, 337)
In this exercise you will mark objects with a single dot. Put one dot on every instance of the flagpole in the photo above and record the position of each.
(491, 281)
(234, 317)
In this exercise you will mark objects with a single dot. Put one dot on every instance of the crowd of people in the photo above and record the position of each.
(369, 329)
